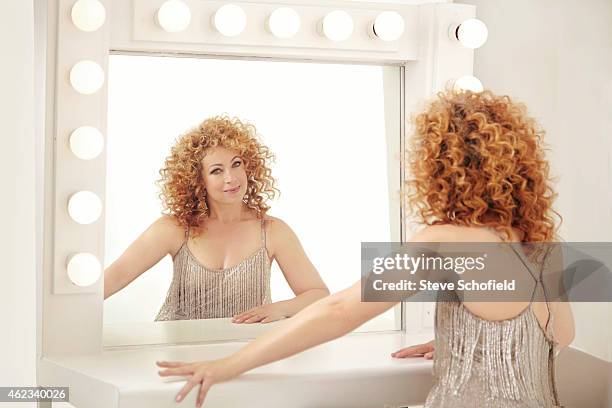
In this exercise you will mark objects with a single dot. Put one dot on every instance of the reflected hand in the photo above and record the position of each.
(262, 314)
(419, 350)
(203, 374)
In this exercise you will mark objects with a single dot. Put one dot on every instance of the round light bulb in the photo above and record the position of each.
(84, 269)
(86, 77)
(84, 207)
(472, 33)
(173, 16)
(230, 20)
(284, 22)
(337, 25)
(388, 26)
(88, 15)
(86, 142)
(468, 83)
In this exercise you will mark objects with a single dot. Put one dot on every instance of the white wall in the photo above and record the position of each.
(17, 206)
(556, 57)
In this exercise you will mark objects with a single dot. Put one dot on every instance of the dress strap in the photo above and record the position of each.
(263, 233)
(538, 278)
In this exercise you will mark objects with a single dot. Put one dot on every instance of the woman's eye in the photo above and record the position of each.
(215, 171)
(237, 163)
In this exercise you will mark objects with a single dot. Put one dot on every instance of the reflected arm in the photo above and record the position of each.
(300, 273)
(147, 250)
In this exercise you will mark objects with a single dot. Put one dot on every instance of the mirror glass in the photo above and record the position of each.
(334, 130)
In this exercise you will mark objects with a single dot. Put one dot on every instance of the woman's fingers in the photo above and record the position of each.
(193, 381)
(182, 370)
(244, 315)
(243, 318)
(170, 363)
(254, 319)
(202, 393)
(429, 356)
(417, 350)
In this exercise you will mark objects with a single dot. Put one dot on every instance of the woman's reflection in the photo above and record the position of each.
(214, 188)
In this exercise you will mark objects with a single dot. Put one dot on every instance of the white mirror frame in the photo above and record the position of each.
(71, 316)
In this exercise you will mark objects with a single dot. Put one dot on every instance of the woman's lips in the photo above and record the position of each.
(233, 190)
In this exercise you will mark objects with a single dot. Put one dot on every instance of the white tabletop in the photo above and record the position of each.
(355, 370)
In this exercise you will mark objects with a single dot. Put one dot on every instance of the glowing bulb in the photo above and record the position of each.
(174, 16)
(337, 25)
(471, 33)
(84, 207)
(284, 22)
(468, 83)
(84, 269)
(388, 26)
(230, 20)
(86, 77)
(88, 15)
(86, 142)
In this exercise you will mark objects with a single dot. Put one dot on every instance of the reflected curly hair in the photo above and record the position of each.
(182, 187)
(477, 159)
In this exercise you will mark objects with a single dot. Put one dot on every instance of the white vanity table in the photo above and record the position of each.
(75, 350)
(354, 371)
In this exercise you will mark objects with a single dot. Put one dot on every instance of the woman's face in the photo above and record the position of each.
(224, 175)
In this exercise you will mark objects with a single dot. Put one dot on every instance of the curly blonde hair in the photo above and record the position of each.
(182, 188)
(477, 159)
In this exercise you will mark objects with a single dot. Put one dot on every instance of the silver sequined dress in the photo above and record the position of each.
(491, 364)
(198, 292)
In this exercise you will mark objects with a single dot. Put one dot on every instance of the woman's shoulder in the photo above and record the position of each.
(278, 231)
(171, 231)
(456, 233)
(275, 225)
(169, 222)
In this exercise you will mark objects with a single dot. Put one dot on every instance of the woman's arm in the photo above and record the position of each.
(322, 321)
(148, 249)
(300, 273)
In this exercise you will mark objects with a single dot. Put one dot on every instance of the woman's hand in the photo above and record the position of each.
(419, 350)
(262, 314)
(203, 374)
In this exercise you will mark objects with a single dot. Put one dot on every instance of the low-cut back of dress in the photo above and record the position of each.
(492, 364)
(198, 292)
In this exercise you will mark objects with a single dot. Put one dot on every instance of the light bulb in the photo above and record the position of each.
(388, 26)
(472, 33)
(88, 15)
(173, 16)
(86, 77)
(468, 83)
(337, 25)
(284, 22)
(230, 20)
(84, 207)
(86, 142)
(84, 269)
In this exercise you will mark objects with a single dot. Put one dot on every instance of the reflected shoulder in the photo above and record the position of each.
(275, 225)
(168, 229)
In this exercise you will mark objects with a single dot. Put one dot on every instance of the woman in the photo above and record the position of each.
(214, 186)
(479, 176)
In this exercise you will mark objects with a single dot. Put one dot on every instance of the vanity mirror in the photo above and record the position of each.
(329, 86)
(334, 130)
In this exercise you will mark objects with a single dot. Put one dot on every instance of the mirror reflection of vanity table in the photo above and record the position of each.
(105, 352)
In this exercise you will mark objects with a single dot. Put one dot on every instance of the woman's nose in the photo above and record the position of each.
(227, 177)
